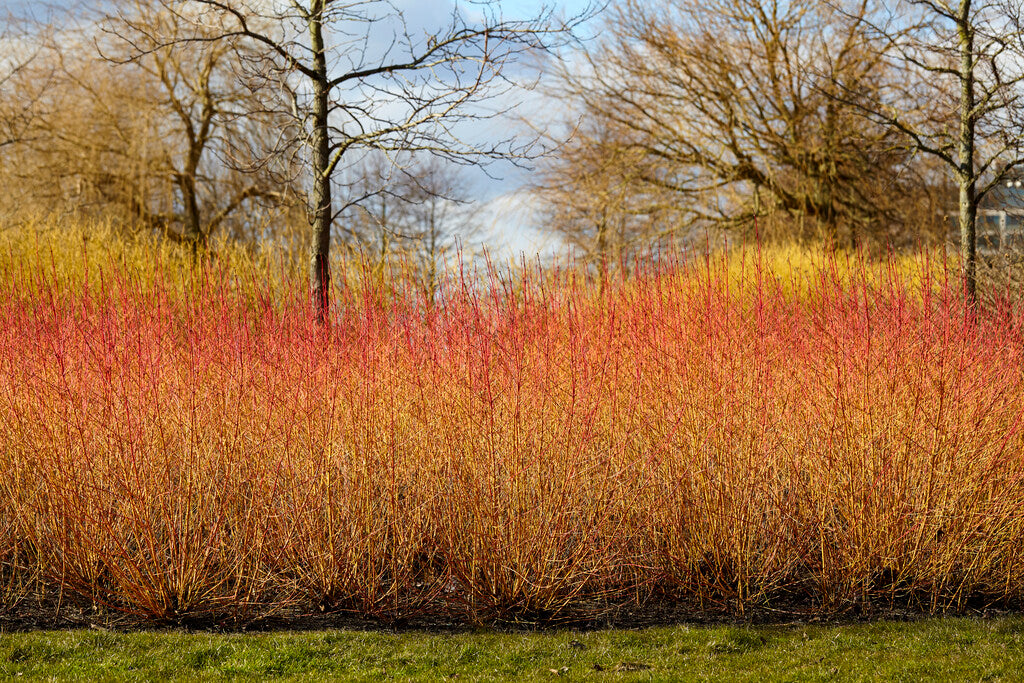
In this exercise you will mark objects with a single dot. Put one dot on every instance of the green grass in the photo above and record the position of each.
(936, 649)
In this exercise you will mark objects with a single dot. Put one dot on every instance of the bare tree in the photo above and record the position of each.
(91, 139)
(211, 120)
(725, 105)
(441, 218)
(419, 211)
(360, 77)
(158, 142)
(964, 57)
(16, 55)
(592, 192)
(372, 227)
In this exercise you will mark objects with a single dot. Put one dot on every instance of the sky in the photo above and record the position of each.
(508, 212)
(529, 7)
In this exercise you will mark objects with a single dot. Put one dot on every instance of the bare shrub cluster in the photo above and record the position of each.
(530, 447)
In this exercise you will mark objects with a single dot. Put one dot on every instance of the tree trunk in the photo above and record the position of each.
(968, 242)
(193, 229)
(602, 252)
(966, 175)
(321, 204)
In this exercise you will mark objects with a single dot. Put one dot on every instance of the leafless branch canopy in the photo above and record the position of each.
(361, 75)
(17, 53)
(946, 50)
(723, 113)
(960, 98)
(391, 87)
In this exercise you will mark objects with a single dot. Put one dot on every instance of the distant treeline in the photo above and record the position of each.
(856, 123)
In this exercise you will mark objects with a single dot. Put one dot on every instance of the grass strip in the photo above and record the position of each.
(932, 649)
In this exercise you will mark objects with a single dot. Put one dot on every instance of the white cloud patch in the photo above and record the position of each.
(513, 230)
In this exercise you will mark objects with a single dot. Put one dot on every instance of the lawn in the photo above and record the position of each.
(936, 649)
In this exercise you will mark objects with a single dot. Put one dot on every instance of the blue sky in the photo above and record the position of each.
(529, 7)
(512, 7)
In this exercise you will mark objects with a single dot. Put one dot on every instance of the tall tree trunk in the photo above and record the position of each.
(320, 270)
(968, 242)
(602, 254)
(193, 229)
(966, 174)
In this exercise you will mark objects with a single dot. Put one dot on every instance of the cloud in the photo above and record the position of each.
(512, 227)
